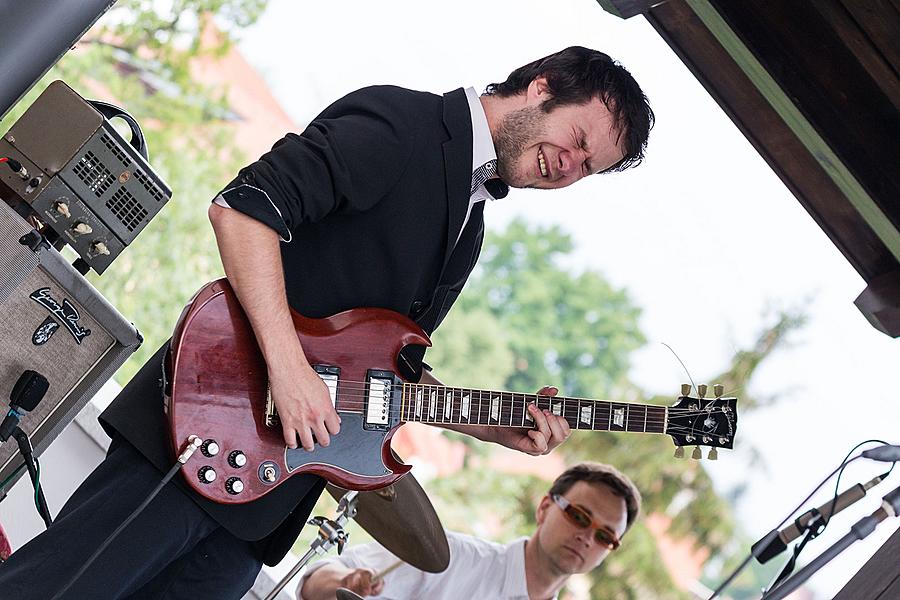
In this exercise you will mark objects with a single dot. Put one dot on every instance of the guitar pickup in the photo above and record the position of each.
(329, 375)
(379, 395)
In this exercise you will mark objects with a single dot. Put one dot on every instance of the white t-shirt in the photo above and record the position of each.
(478, 569)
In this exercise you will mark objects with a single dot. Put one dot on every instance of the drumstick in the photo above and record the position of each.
(387, 570)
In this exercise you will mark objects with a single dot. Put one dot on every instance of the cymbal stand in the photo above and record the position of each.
(331, 533)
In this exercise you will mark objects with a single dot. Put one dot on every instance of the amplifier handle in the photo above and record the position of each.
(111, 111)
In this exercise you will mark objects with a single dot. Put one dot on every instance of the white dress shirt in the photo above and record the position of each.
(482, 150)
(478, 570)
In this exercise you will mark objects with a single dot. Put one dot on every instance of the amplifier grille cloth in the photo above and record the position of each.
(14, 263)
(60, 359)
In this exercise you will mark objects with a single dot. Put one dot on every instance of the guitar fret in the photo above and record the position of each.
(464, 410)
(658, 417)
(635, 418)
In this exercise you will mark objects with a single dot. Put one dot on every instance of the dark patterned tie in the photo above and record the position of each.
(482, 174)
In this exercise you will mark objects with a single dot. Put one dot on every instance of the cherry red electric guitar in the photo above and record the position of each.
(217, 389)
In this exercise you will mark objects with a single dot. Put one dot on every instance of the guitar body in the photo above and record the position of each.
(218, 390)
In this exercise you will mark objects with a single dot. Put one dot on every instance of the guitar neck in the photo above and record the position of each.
(437, 404)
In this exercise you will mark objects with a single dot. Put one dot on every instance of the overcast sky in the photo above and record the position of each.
(706, 239)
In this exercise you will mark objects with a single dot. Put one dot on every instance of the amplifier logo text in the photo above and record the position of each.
(65, 314)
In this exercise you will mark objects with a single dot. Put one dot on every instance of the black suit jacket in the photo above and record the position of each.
(368, 200)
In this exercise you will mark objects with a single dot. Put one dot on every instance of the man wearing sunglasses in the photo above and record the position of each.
(580, 520)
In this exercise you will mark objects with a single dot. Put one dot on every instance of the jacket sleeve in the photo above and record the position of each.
(345, 161)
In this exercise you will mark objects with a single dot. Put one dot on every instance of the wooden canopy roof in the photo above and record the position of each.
(815, 87)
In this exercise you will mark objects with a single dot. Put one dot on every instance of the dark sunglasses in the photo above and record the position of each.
(582, 520)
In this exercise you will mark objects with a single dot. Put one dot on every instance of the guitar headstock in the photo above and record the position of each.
(700, 421)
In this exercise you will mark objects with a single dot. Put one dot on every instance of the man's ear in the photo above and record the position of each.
(541, 512)
(538, 91)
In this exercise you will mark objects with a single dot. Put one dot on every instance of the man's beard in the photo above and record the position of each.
(517, 130)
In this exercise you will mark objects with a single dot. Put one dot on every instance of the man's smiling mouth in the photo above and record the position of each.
(542, 163)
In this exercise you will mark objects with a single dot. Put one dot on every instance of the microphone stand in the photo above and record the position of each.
(330, 533)
(860, 530)
(33, 472)
(791, 562)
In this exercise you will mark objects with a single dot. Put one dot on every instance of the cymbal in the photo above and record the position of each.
(401, 518)
(345, 594)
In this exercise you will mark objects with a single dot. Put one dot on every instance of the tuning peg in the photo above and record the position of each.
(679, 452)
(696, 454)
(701, 389)
(718, 390)
(713, 454)
(685, 389)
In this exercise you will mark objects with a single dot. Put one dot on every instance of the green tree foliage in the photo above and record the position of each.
(573, 331)
(140, 59)
(576, 330)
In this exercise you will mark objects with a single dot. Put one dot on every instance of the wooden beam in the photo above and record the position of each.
(880, 303)
(625, 9)
(752, 112)
(879, 578)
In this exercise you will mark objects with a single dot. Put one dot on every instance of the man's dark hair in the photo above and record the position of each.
(606, 475)
(577, 75)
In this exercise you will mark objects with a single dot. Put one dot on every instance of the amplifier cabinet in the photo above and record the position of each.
(53, 321)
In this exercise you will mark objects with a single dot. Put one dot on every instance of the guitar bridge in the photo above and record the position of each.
(328, 374)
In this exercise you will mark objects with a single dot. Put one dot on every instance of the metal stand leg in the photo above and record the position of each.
(331, 533)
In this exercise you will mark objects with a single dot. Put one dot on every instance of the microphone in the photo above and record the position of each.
(769, 547)
(26, 393)
(886, 453)
(890, 507)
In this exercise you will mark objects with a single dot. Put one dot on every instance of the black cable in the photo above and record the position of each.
(33, 467)
(838, 481)
(774, 531)
(823, 520)
(193, 445)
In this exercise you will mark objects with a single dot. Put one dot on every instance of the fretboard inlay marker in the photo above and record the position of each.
(587, 414)
(448, 398)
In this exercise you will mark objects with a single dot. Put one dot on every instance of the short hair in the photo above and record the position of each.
(577, 75)
(600, 474)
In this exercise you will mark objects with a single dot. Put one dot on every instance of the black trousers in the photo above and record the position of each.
(172, 550)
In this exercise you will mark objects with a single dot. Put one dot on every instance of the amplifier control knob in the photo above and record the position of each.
(237, 459)
(209, 448)
(62, 208)
(207, 474)
(234, 486)
(100, 248)
(82, 228)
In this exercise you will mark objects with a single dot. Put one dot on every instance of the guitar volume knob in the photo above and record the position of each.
(207, 474)
(234, 486)
(237, 459)
(209, 448)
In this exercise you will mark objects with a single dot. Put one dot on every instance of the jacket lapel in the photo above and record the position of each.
(457, 163)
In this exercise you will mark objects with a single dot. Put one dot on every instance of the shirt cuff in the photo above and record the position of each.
(256, 203)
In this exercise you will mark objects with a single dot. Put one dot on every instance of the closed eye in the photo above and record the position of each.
(585, 167)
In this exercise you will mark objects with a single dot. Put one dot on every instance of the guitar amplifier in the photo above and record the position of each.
(95, 190)
(54, 322)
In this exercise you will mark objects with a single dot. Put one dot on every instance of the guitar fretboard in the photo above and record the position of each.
(463, 406)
